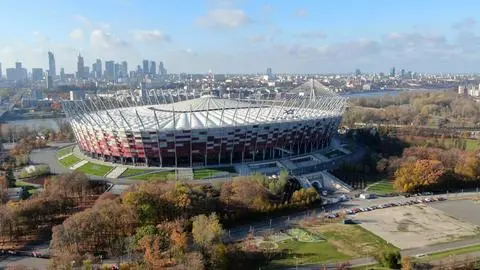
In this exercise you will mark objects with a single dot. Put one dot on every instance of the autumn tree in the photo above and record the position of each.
(468, 166)
(418, 175)
(206, 230)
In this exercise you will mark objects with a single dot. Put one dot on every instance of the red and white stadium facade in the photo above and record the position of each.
(203, 131)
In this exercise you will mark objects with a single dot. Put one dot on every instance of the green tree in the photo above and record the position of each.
(390, 258)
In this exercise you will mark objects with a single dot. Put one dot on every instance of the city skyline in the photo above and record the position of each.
(228, 36)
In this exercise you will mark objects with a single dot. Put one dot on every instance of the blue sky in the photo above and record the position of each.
(245, 35)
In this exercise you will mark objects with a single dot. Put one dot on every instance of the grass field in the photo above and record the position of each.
(382, 187)
(444, 254)
(155, 176)
(62, 152)
(343, 242)
(95, 169)
(132, 172)
(206, 173)
(69, 161)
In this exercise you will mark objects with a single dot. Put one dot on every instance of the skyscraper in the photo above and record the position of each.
(37, 74)
(269, 71)
(161, 68)
(62, 74)
(125, 69)
(80, 68)
(98, 70)
(52, 71)
(110, 70)
(153, 68)
(49, 80)
(392, 72)
(118, 73)
(146, 69)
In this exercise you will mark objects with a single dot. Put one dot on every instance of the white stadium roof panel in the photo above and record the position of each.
(206, 112)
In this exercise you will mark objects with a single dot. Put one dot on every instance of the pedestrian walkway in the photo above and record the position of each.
(116, 172)
(64, 156)
(78, 165)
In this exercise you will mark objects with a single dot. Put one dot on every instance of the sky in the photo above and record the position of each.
(245, 36)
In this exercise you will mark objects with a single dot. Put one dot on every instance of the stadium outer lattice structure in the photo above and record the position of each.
(205, 131)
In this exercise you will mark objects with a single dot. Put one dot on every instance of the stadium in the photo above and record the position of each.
(203, 131)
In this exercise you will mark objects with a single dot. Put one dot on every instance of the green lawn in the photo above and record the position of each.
(95, 169)
(165, 175)
(62, 152)
(206, 173)
(132, 172)
(343, 243)
(69, 161)
(382, 187)
(444, 254)
(307, 253)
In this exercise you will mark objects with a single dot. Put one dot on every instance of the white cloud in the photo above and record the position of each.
(313, 35)
(76, 34)
(259, 38)
(100, 39)
(224, 18)
(465, 24)
(83, 20)
(151, 36)
(301, 13)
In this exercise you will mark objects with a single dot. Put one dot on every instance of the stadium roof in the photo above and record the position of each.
(204, 112)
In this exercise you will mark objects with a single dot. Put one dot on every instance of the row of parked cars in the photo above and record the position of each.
(393, 204)
(386, 205)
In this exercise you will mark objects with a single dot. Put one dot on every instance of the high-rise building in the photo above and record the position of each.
(146, 68)
(153, 68)
(161, 68)
(402, 73)
(52, 71)
(86, 72)
(269, 71)
(98, 70)
(20, 72)
(1, 74)
(125, 69)
(11, 74)
(62, 74)
(118, 73)
(392, 72)
(37, 74)
(49, 80)
(80, 68)
(110, 70)
(358, 72)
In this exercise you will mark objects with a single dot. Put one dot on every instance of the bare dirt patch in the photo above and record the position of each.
(415, 226)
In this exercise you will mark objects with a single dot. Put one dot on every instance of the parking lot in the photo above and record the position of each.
(415, 225)
(466, 210)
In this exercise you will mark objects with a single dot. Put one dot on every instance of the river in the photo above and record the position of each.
(392, 93)
(31, 124)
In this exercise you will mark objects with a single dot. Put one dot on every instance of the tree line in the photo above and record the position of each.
(159, 225)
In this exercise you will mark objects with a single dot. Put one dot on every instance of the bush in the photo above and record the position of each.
(390, 258)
